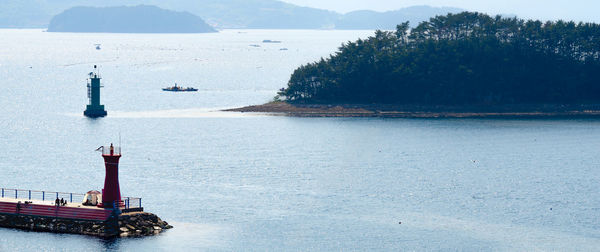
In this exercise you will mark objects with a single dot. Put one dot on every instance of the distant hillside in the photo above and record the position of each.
(372, 20)
(137, 19)
(256, 14)
(225, 14)
(218, 13)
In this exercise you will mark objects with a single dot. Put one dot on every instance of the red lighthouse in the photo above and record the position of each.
(111, 193)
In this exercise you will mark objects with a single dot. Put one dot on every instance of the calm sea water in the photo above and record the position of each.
(230, 181)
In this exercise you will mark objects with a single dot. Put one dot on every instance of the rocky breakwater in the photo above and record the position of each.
(55, 225)
(127, 224)
(141, 224)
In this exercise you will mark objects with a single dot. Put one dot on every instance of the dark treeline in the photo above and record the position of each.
(459, 59)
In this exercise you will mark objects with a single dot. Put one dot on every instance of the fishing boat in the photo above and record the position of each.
(180, 89)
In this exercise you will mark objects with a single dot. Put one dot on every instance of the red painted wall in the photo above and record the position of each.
(99, 214)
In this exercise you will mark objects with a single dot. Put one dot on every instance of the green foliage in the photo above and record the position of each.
(466, 58)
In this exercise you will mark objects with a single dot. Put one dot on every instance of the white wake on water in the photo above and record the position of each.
(177, 113)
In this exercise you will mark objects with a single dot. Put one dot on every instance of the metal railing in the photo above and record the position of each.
(40, 195)
(132, 202)
(129, 202)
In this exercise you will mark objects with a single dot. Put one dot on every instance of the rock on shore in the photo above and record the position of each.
(141, 224)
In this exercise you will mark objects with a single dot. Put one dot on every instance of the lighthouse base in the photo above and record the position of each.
(95, 112)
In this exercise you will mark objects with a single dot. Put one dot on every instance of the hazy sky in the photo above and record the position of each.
(580, 10)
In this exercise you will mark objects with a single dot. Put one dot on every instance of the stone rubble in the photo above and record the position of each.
(129, 224)
(141, 224)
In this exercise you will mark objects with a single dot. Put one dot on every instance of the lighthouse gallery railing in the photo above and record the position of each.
(129, 202)
(106, 150)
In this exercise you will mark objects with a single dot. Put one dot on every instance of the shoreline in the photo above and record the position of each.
(417, 111)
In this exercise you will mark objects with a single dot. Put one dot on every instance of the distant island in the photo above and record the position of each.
(373, 20)
(228, 14)
(466, 62)
(136, 19)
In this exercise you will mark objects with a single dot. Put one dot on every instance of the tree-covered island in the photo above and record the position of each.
(465, 62)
